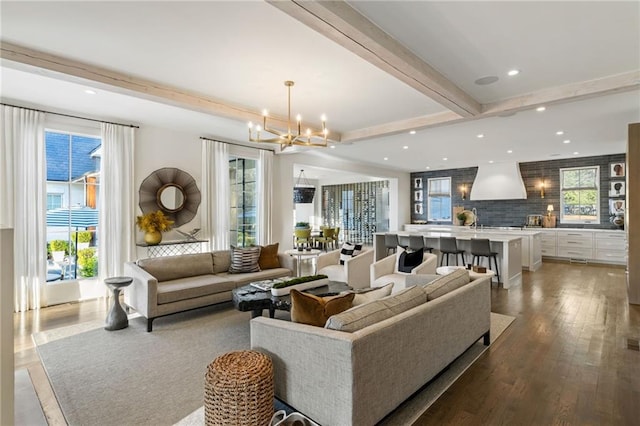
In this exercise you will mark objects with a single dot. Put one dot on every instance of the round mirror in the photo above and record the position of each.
(173, 191)
(171, 198)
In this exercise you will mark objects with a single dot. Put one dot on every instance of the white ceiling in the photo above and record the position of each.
(239, 53)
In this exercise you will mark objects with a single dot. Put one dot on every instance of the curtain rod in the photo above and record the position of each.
(71, 116)
(237, 144)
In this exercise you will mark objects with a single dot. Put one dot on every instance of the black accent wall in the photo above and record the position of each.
(514, 212)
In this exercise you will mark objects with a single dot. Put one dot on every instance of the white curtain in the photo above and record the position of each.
(265, 195)
(116, 241)
(215, 207)
(24, 196)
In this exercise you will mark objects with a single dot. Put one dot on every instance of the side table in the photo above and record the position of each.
(306, 254)
(117, 317)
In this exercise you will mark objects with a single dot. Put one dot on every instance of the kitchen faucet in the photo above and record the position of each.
(475, 219)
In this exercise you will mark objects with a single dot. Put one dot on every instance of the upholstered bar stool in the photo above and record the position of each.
(403, 241)
(449, 245)
(416, 242)
(391, 242)
(481, 247)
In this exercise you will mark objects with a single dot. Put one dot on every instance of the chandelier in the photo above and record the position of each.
(293, 135)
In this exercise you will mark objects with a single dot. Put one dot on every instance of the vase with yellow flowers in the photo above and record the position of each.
(153, 224)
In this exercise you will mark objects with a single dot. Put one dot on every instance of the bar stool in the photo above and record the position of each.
(449, 245)
(481, 247)
(416, 242)
(391, 242)
(403, 241)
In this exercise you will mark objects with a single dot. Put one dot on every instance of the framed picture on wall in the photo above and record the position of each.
(617, 188)
(616, 206)
(617, 170)
(417, 208)
(417, 195)
(417, 183)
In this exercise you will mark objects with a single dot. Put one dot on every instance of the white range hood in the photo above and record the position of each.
(498, 182)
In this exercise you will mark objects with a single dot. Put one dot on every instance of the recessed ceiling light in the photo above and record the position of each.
(566, 141)
(405, 147)
(511, 73)
(413, 132)
(90, 92)
(483, 81)
(509, 151)
(428, 167)
(490, 161)
(480, 135)
(575, 153)
(386, 158)
(332, 146)
(541, 108)
(444, 159)
(559, 133)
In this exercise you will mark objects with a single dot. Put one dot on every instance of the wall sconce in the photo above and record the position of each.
(463, 191)
(542, 186)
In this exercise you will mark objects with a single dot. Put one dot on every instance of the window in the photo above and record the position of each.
(242, 178)
(579, 195)
(439, 199)
(73, 171)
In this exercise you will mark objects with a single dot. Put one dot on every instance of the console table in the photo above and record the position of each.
(173, 248)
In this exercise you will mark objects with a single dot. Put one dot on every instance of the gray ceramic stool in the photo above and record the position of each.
(117, 317)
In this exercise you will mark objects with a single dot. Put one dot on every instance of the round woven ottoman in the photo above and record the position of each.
(238, 389)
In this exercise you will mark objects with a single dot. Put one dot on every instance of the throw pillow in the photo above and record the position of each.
(348, 251)
(269, 257)
(372, 294)
(447, 283)
(244, 259)
(409, 260)
(315, 310)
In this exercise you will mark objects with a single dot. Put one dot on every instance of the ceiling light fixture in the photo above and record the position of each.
(566, 141)
(405, 147)
(541, 108)
(490, 161)
(480, 136)
(483, 81)
(559, 133)
(510, 151)
(444, 159)
(428, 167)
(512, 73)
(313, 138)
(386, 158)
(412, 132)
(575, 153)
(90, 92)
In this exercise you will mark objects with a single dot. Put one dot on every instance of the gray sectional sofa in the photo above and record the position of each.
(358, 377)
(167, 285)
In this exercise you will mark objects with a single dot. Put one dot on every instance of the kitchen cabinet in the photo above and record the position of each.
(610, 247)
(575, 245)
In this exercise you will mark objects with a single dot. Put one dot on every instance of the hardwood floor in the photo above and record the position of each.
(565, 360)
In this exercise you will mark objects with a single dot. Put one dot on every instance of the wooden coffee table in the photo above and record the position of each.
(248, 298)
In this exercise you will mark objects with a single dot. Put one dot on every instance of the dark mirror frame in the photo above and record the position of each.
(151, 189)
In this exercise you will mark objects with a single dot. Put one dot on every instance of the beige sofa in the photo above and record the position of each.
(357, 378)
(354, 272)
(166, 285)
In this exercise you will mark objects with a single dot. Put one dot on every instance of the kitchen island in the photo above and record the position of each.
(508, 247)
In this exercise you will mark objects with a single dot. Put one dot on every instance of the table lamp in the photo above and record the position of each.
(549, 209)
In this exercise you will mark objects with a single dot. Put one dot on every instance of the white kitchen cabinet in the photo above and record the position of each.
(549, 243)
(610, 247)
(575, 245)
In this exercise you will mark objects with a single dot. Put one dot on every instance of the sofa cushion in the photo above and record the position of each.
(314, 310)
(362, 316)
(409, 260)
(447, 283)
(174, 267)
(348, 251)
(269, 257)
(334, 273)
(192, 287)
(420, 279)
(244, 259)
(371, 294)
(221, 261)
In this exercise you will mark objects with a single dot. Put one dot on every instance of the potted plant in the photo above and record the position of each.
(83, 238)
(59, 249)
(302, 225)
(462, 218)
(153, 224)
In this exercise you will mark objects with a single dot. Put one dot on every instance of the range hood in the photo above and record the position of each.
(498, 182)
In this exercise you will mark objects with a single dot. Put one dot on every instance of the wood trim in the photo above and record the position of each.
(341, 23)
(632, 216)
(74, 71)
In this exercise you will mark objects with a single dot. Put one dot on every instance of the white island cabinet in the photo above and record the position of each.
(585, 245)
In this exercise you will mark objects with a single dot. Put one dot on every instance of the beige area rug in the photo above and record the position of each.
(131, 377)
(419, 403)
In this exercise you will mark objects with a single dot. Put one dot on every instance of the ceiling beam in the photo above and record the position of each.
(341, 23)
(79, 72)
(567, 93)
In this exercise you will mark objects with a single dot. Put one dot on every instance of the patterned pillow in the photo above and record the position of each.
(244, 259)
(409, 260)
(348, 251)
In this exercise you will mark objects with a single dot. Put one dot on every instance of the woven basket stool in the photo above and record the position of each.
(238, 390)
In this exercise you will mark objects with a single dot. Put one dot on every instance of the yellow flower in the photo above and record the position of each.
(154, 221)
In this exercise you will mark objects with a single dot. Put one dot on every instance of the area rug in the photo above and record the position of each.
(129, 376)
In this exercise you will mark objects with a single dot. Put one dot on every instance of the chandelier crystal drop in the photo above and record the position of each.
(293, 135)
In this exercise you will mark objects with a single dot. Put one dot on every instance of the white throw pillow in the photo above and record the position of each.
(372, 294)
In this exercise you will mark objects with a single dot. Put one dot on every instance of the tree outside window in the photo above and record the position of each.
(439, 199)
(580, 196)
(242, 178)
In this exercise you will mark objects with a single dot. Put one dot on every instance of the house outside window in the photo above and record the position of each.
(243, 223)
(439, 199)
(579, 195)
(73, 174)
